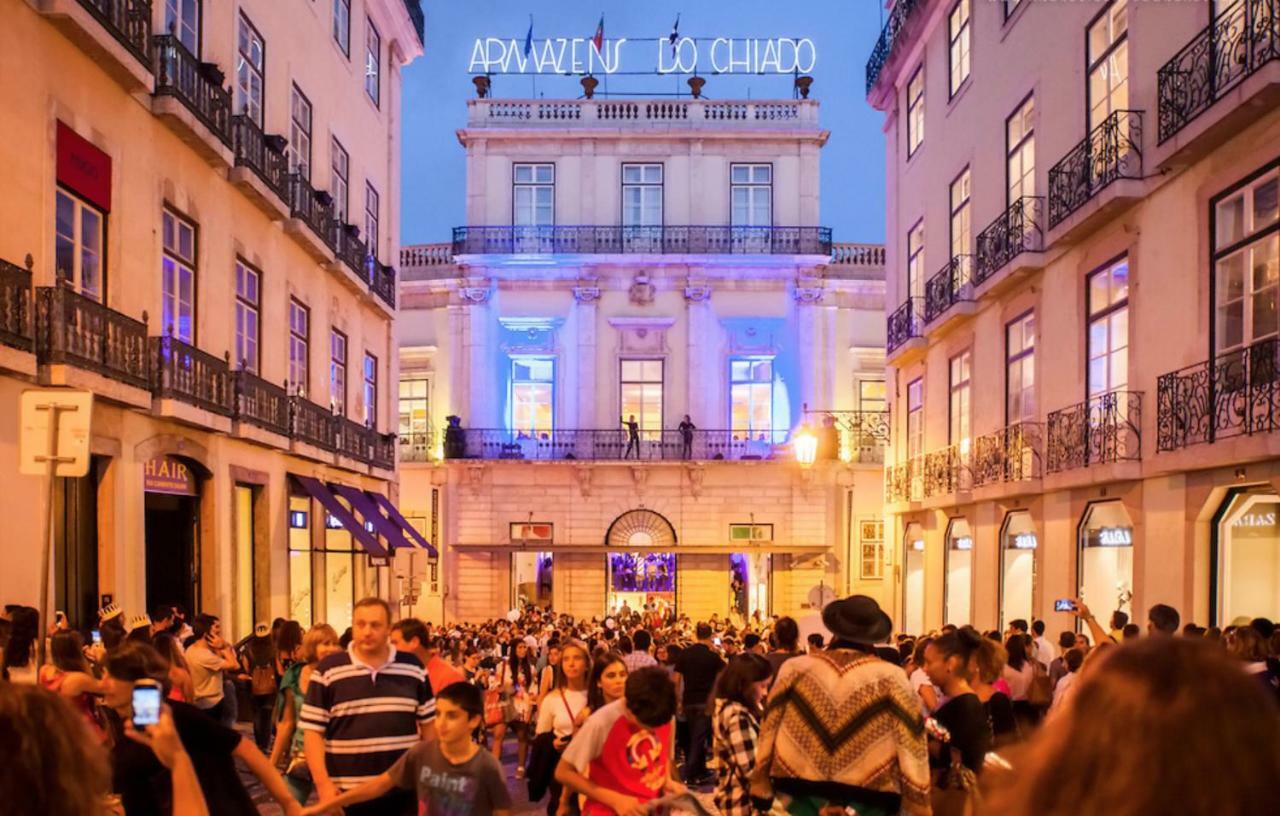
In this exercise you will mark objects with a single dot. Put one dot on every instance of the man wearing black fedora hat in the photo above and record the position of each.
(842, 727)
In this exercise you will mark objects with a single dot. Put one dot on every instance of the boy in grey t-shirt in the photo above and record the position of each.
(451, 775)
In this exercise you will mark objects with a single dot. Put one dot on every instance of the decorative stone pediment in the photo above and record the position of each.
(529, 335)
(642, 335)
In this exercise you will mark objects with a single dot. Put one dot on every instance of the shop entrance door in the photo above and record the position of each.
(913, 581)
(531, 579)
(750, 583)
(638, 581)
(172, 546)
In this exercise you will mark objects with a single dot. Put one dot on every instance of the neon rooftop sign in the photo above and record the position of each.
(571, 56)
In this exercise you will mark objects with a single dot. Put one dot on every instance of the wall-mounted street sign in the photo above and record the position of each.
(55, 427)
(579, 56)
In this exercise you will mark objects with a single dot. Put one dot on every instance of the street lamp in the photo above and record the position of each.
(806, 446)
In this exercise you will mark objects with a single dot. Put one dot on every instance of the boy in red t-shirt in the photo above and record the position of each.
(621, 757)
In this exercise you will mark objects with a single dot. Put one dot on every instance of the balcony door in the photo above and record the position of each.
(642, 187)
(1108, 62)
(182, 20)
(533, 209)
(80, 230)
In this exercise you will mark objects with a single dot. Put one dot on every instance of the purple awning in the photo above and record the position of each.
(405, 526)
(368, 509)
(316, 489)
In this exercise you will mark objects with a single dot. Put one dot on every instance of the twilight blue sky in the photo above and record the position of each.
(437, 85)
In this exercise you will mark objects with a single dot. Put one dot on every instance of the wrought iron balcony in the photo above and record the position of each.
(353, 439)
(183, 372)
(904, 481)
(384, 450)
(417, 446)
(950, 285)
(945, 472)
(383, 281)
(1232, 394)
(262, 154)
(859, 436)
(1237, 43)
(612, 445)
(198, 85)
(350, 249)
(261, 403)
(905, 323)
(888, 40)
(618, 240)
(1011, 454)
(313, 207)
(1019, 229)
(127, 21)
(1113, 150)
(16, 330)
(312, 424)
(1101, 430)
(72, 329)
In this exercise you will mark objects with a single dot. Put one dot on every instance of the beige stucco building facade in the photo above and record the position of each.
(655, 259)
(1082, 264)
(227, 293)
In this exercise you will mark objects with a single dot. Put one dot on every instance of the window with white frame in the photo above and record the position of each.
(871, 539)
(1107, 53)
(915, 111)
(915, 261)
(337, 372)
(300, 134)
(640, 384)
(182, 20)
(250, 70)
(751, 395)
(248, 309)
(871, 396)
(1108, 339)
(79, 229)
(1246, 261)
(370, 390)
(642, 195)
(299, 347)
(532, 395)
(338, 184)
(1020, 369)
(958, 30)
(342, 25)
(751, 195)
(915, 418)
(958, 412)
(372, 206)
(961, 231)
(178, 277)
(533, 195)
(1020, 155)
(373, 63)
(415, 415)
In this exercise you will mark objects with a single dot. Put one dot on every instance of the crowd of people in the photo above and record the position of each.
(640, 711)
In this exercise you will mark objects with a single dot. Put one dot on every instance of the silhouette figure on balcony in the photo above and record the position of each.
(686, 437)
(633, 437)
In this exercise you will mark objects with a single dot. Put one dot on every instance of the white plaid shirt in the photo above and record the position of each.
(734, 732)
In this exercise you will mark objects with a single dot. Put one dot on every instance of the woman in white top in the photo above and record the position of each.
(564, 710)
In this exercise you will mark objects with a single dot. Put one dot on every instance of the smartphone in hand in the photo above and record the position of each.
(146, 703)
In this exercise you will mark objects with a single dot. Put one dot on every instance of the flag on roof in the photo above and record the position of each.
(598, 39)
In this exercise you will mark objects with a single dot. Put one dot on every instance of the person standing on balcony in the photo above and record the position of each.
(686, 437)
(633, 437)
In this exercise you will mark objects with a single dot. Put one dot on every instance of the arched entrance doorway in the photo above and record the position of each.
(171, 506)
(640, 568)
(913, 579)
(1245, 577)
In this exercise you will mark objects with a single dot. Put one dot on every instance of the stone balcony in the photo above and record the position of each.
(644, 114)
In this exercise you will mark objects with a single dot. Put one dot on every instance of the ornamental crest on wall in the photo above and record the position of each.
(642, 291)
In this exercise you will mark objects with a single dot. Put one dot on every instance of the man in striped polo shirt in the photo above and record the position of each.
(365, 707)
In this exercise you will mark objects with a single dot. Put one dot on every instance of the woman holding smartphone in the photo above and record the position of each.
(67, 674)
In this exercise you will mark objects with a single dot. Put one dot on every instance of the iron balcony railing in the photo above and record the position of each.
(904, 481)
(384, 450)
(614, 445)
(261, 403)
(950, 285)
(417, 446)
(312, 424)
(667, 240)
(1113, 150)
(127, 21)
(382, 281)
(1232, 394)
(851, 436)
(262, 154)
(1237, 43)
(16, 329)
(313, 207)
(945, 472)
(888, 40)
(75, 330)
(906, 322)
(1019, 229)
(183, 372)
(1011, 454)
(351, 250)
(198, 85)
(1101, 430)
(353, 439)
